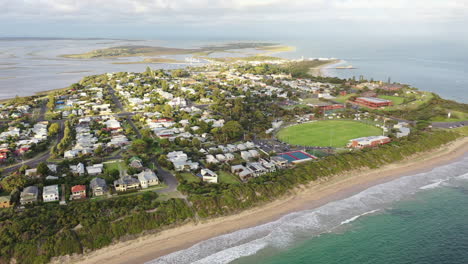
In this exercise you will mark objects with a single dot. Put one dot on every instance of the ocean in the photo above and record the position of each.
(421, 218)
(28, 66)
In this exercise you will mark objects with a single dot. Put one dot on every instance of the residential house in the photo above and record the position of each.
(221, 157)
(243, 172)
(5, 202)
(126, 183)
(229, 156)
(78, 192)
(181, 162)
(279, 161)
(211, 159)
(268, 165)
(50, 193)
(78, 169)
(147, 178)
(31, 173)
(29, 195)
(98, 186)
(256, 168)
(136, 163)
(209, 176)
(94, 170)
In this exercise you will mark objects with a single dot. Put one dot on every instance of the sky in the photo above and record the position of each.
(239, 18)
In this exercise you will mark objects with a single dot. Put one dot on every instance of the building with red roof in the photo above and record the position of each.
(78, 192)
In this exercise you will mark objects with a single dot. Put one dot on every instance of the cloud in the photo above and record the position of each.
(234, 11)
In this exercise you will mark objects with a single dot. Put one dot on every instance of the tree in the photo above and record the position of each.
(139, 146)
(42, 169)
(13, 182)
(54, 129)
(99, 150)
(232, 129)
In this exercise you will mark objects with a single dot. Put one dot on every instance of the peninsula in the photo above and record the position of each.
(169, 155)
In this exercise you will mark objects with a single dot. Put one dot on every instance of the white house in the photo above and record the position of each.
(209, 176)
(147, 178)
(79, 169)
(94, 170)
(50, 193)
(243, 172)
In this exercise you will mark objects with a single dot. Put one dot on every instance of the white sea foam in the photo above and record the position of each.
(309, 223)
(463, 176)
(432, 185)
(354, 218)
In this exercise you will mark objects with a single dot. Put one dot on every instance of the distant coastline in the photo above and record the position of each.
(148, 247)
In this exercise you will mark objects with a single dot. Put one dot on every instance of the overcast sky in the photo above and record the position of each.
(243, 18)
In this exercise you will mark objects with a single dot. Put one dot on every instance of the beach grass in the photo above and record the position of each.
(334, 133)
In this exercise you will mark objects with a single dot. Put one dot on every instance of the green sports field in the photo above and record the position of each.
(334, 133)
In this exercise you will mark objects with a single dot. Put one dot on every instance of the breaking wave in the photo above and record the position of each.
(309, 223)
(352, 219)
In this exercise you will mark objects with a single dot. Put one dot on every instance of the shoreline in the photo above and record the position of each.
(320, 70)
(315, 194)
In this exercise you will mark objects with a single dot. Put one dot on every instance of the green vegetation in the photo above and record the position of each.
(133, 51)
(435, 109)
(150, 61)
(38, 233)
(189, 177)
(462, 130)
(396, 100)
(210, 200)
(342, 99)
(276, 49)
(334, 133)
(249, 58)
(118, 165)
(227, 177)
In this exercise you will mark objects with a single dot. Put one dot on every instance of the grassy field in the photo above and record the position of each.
(227, 177)
(395, 99)
(456, 116)
(335, 133)
(343, 99)
(119, 165)
(189, 177)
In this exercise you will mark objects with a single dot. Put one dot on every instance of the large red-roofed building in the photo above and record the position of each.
(373, 102)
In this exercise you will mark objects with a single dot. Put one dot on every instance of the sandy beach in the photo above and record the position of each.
(321, 70)
(316, 194)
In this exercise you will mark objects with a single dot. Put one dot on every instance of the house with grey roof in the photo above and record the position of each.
(29, 195)
(98, 186)
(147, 178)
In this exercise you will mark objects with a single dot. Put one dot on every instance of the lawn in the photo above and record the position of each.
(455, 117)
(343, 99)
(189, 177)
(118, 165)
(395, 99)
(335, 133)
(227, 177)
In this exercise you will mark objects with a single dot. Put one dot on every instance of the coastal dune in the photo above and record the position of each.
(314, 195)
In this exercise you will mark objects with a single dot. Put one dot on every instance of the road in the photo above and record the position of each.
(449, 124)
(167, 177)
(33, 162)
(122, 113)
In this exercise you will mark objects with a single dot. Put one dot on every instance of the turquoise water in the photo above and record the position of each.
(420, 218)
(430, 228)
